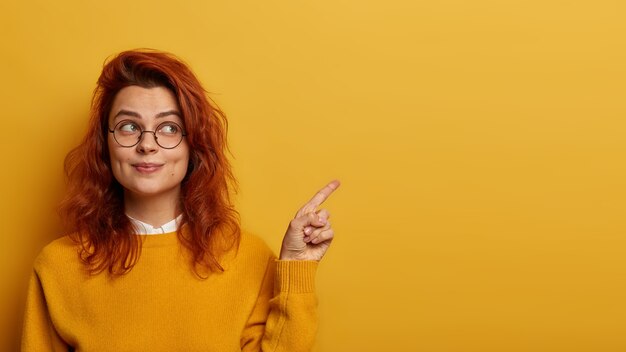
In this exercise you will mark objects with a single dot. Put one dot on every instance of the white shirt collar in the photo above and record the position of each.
(141, 228)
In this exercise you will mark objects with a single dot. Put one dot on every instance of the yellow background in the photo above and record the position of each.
(480, 143)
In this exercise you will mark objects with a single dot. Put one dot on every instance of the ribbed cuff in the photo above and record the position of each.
(296, 276)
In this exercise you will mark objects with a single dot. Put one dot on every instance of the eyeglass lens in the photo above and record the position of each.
(168, 134)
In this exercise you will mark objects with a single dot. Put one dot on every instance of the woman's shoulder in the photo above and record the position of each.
(57, 252)
(251, 242)
(253, 248)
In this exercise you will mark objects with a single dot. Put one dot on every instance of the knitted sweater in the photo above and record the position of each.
(258, 303)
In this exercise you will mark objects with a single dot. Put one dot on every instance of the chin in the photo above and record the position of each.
(147, 191)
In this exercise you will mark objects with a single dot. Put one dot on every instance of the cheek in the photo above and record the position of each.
(113, 151)
(183, 163)
(118, 157)
(177, 165)
(181, 169)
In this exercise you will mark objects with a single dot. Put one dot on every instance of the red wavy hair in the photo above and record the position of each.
(93, 208)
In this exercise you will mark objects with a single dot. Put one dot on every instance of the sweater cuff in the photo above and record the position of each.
(296, 276)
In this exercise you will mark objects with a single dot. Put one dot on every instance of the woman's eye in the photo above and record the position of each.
(169, 129)
(128, 127)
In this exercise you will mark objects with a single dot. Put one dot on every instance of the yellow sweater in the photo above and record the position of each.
(257, 304)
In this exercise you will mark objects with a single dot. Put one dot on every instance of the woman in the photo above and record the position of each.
(156, 260)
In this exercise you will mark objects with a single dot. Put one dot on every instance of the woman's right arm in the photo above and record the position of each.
(39, 334)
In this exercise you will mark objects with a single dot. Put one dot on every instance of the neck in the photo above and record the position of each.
(155, 210)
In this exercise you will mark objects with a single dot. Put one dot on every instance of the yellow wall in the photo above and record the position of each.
(480, 143)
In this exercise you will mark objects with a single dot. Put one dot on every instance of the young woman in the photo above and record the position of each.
(156, 260)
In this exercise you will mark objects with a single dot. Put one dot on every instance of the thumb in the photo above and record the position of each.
(310, 219)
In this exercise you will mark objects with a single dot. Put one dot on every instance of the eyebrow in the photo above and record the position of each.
(135, 114)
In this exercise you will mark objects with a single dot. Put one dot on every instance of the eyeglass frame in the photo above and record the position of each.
(156, 139)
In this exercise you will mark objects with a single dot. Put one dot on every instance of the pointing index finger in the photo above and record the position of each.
(319, 197)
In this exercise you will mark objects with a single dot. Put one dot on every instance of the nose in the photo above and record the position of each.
(147, 144)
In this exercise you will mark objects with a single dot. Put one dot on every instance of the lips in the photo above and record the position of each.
(147, 168)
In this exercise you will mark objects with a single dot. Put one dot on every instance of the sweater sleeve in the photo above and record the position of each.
(284, 317)
(38, 332)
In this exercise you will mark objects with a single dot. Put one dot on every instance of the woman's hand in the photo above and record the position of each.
(309, 234)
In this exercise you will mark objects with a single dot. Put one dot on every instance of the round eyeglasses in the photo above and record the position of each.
(167, 135)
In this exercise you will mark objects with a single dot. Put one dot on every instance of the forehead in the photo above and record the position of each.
(146, 102)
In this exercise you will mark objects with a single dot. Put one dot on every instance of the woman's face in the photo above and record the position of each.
(147, 169)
